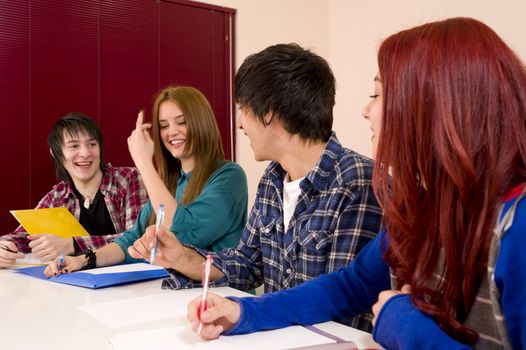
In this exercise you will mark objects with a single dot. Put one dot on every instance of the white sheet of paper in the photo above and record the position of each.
(181, 338)
(133, 311)
(124, 268)
(29, 259)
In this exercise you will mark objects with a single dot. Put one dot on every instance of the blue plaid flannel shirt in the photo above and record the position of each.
(336, 216)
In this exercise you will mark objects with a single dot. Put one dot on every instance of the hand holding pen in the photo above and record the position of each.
(205, 279)
(64, 264)
(158, 223)
(60, 262)
(220, 316)
(8, 254)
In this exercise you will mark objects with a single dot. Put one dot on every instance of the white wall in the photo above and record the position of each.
(260, 24)
(357, 28)
(347, 34)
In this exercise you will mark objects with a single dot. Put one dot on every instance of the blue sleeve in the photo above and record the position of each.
(510, 277)
(346, 292)
(419, 331)
(130, 236)
(217, 214)
(400, 325)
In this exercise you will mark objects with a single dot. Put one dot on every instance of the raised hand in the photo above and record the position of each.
(140, 143)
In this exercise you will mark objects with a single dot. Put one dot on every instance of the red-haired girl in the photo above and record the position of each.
(449, 270)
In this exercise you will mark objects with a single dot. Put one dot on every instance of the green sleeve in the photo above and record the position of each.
(135, 232)
(216, 218)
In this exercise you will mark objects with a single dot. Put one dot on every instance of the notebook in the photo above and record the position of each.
(101, 277)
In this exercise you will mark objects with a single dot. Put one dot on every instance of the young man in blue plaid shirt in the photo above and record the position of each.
(314, 209)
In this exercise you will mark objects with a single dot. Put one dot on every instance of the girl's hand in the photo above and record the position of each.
(70, 264)
(140, 144)
(384, 296)
(221, 315)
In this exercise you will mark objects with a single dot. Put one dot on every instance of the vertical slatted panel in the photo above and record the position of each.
(186, 50)
(220, 78)
(128, 70)
(64, 75)
(192, 52)
(14, 109)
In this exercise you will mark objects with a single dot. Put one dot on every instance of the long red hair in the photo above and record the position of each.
(454, 140)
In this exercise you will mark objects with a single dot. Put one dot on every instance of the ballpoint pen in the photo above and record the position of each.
(158, 222)
(60, 262)
(207, 266)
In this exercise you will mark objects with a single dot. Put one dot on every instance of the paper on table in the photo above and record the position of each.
(124, 268)
(57, 221)
(182, 337)
(29, 260)
(345, 345)
(133, 311)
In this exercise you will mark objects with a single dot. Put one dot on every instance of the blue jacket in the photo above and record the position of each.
(400, 325)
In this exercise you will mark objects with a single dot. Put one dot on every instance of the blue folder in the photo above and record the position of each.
(95, 281)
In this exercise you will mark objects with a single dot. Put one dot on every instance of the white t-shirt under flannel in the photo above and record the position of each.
(291, 192)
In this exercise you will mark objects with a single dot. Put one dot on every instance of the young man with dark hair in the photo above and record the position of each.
(105, 199)
(315, 208)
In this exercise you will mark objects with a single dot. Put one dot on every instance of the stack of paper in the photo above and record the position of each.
(182, 338)
(28, 260)
(170, 305)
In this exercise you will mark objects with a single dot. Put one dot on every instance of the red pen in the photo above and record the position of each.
(205, 278)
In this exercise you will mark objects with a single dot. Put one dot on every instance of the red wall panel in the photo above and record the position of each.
(14, 109)
(64, 75)
(222, 80)
(129, 70)
(106, 59)
(198, 57)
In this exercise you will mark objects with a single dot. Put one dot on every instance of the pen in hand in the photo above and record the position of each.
(60, 262)
(158, 222)
(207, 266)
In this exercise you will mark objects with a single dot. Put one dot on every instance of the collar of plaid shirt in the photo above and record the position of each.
(319, 175)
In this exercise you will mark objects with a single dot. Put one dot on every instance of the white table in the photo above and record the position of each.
(38, 314)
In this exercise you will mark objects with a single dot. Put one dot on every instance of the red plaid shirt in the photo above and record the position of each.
(124, 195)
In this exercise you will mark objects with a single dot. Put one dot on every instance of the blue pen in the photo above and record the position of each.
(158, 222)
(60, 261)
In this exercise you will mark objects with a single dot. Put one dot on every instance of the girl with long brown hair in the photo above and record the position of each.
(448, 117)
(204, 196)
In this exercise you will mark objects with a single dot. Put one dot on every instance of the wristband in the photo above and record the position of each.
(91, 257)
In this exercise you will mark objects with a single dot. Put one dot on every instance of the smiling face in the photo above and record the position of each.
(172, 126)
(373, 112)
(81, 157)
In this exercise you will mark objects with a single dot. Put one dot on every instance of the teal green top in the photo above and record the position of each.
(213, 221)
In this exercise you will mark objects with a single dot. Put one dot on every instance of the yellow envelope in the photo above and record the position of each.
(58, 221)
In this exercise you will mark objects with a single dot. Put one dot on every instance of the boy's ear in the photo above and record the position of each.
(268, 118)
(51, 152)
